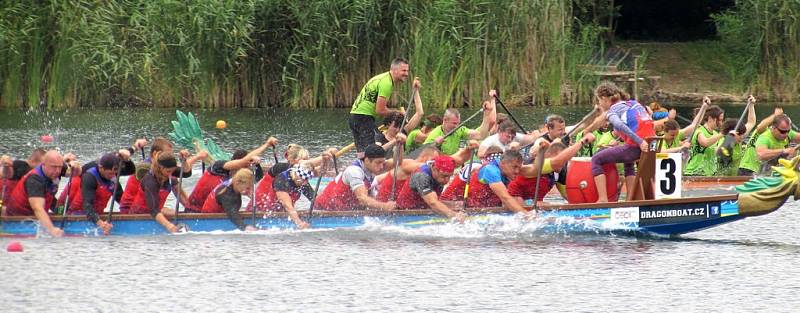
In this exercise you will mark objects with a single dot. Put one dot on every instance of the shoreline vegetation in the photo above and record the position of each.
(318, 53)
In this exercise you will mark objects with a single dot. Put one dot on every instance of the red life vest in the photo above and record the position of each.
(9, 186)
(263, 190)
(74, 184)
(211, 205)
(204, 186)
(385, 188)
(455, 190)
(139, 205)
(337, 196)
(18, 204)
(525, 187)
(638, 120)
(480, 194)
(103, 192)
(132, 188)
(410, 199)
(268, 201)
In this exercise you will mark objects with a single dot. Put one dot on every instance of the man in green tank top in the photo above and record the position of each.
(769, 146)
(372, 102)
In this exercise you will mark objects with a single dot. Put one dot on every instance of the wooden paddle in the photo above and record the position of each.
(514, 119)
(114, 192)
(178, 195)
(413, 154)
(725, 151)
(316, 190)
(253, 192)
(398, 146)
(3, 195)
(539, 164)
(469, 178)
(66, 202)
(585, 119)
(274, 154)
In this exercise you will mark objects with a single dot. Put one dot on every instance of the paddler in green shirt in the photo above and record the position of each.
(703, 159)
(675, 136)
(372, 103)
(418, 136)
(769, 146)
(452, 119)
(739, 133)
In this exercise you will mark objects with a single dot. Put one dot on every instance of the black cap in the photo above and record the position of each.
(374, 151)
(108, 161)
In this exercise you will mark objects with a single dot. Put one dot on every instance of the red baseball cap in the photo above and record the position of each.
(445, 163)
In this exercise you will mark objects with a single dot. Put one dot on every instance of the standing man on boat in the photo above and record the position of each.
(35, 192)
(451, 121)
(372, 102)
(771, 145)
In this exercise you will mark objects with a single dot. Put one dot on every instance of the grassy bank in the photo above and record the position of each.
(256, 53)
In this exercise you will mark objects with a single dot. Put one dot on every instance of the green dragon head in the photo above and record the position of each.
(187, 133)
(766, 194)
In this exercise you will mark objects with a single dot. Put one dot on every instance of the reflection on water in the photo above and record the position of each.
(747, 266)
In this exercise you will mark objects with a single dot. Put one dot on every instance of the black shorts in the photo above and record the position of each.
(745, 172)
(363, 128)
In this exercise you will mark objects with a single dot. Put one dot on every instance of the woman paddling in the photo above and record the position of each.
(156, 185)
(227, 197)
(295, 154)
(703, 161)
(633, 123)
(286, 190)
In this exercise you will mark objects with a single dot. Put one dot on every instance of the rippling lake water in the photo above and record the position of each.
(748, 266)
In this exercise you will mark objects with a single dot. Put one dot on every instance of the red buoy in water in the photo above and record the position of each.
(14, 246)
(46, 138)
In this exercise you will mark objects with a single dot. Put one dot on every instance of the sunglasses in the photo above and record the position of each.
(783, 131)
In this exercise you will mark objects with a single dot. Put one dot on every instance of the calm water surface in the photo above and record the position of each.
(748, 266)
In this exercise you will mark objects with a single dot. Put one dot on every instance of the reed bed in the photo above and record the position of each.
(303, 54)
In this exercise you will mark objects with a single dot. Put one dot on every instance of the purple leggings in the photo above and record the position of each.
(620, 154)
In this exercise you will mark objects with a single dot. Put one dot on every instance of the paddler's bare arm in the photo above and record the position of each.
(37, 204)
(251, 157)
(708, 141)
(509, 202)
(686, 131)
(162, 219)
(286, 201)
(367, 201)
(464, 155)
(532, 170)
(767, 121)
(560, 160)
(418, 109)
(432, 200)
(751, 117)
(381, 107)
(489, 119)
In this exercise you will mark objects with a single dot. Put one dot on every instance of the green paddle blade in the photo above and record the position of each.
(186, 132)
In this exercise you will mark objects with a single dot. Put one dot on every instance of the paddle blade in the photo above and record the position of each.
(725, 151)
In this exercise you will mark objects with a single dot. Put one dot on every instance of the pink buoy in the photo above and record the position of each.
(14, 246)
(46, 138)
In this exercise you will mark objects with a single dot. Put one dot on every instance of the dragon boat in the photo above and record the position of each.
(667, 217)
